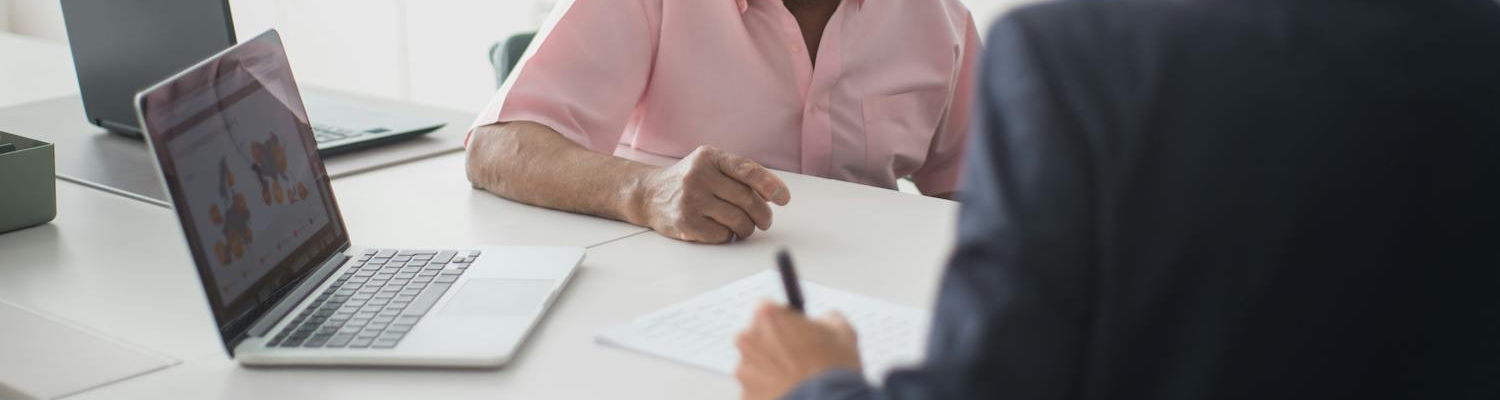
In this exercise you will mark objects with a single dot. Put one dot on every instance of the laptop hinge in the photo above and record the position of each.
(127, 130)
(319, 274)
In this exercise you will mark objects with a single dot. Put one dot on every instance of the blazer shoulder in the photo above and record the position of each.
(1069, 15)
(1090, 28)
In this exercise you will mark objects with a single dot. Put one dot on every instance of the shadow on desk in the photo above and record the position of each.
(46, 244)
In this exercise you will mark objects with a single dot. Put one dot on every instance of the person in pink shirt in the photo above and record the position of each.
(866, 91)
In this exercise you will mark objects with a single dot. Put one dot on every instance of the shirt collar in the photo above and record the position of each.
(745, 4)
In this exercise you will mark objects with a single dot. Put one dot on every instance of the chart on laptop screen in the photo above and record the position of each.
(249, 187)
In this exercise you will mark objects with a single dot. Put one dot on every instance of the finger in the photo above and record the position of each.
(784, 321)
(730, 216)
(750, 375)
(765, 308)
(751, 353)
(746, 375)
(834, 318)
(838, 323)
(757, 177)
(760, 345)
(757, 356)
(736, 193)
(742, 342)
(770, 328)
(755, 383)
(769, 311)
(704, 230)
(765, 305)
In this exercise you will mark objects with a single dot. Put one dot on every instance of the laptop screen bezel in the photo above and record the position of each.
(233, 323)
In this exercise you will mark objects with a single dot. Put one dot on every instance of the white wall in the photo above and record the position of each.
(427, 51)
(449, 44)
(985, 11)
(40, 18)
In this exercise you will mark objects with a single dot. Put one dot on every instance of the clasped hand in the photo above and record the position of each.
(710, 196)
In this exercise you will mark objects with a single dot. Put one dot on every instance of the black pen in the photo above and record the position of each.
(789, 280)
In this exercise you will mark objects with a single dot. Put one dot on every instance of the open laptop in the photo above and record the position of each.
(122, 46)
(234, 149)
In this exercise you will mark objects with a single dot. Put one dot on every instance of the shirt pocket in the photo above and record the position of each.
(899, 129)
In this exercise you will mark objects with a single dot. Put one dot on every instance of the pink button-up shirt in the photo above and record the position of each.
(889, 96)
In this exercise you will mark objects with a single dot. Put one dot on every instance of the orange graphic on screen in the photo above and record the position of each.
(270, 169)
(234, 222)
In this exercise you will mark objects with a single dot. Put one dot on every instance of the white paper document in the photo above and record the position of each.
(700, 331)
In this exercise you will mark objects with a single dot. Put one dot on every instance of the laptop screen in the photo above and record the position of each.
(240, 163)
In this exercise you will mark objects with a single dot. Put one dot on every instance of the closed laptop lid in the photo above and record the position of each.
(123, 46)
(238, 158)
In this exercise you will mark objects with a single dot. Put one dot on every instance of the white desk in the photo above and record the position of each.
(114, 265)
(843, 235)
(431, 203)
(121, 266)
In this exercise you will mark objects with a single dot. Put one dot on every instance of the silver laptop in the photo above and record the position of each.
(121, 46)
(236, 152)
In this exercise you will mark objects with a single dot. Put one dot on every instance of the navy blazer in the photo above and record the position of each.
(1231, 199)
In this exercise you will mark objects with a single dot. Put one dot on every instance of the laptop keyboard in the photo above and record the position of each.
(376, 301)
(328, 133)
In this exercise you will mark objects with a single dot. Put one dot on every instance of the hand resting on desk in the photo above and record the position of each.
(710, 196)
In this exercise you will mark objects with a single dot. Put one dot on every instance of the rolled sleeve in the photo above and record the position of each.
(584, 75)
(940, 173)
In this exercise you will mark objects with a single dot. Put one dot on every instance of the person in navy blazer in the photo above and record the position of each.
(1209, 199)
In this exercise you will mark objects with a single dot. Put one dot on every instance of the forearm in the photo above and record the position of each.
(533, 164)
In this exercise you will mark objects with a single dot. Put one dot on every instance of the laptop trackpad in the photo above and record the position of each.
(499, 297)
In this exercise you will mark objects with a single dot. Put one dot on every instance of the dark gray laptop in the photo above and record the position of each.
(123, 46)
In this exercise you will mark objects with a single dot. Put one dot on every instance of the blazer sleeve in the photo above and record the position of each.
(1015, 303)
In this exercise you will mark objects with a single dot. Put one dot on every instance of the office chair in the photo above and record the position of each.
(505, 55)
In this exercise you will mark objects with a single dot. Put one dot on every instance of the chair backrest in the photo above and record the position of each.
(505, 55)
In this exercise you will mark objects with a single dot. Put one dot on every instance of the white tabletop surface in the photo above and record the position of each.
(49, 358)
(122, 267)
(431, 203)
(114, 265)
(881, 243)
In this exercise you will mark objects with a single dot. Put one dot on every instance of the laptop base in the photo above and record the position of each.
(480, 318)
